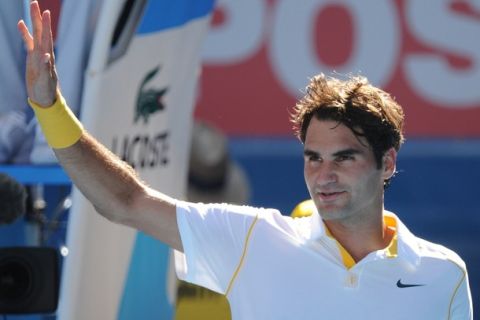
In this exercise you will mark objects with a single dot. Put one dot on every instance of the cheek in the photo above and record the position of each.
(308, 175)
(363, 176)
(370, 182)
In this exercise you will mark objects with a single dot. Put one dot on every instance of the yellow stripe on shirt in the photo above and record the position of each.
(244, 254)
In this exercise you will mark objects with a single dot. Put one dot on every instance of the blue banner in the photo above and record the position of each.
(166, 14)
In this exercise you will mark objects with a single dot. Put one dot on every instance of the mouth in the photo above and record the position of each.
(330, 196)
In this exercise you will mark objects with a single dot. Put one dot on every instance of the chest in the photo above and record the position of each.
(281, 278)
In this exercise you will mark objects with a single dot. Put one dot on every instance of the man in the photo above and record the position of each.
(357, 259)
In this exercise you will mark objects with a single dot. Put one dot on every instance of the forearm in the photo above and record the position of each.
(103, 178)
(106, 181)
(110, 184)
(115, 190)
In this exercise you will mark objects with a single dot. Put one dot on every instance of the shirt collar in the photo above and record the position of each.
(407, 247)
(404, 245)
(318, 228)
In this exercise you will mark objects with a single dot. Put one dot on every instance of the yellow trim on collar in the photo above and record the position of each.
(347, 259)
(307, 208)
(391, 251)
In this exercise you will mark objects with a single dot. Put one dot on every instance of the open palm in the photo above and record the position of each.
(41, 77)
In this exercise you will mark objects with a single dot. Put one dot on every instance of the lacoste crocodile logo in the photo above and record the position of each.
(404, 285)
(149, 101)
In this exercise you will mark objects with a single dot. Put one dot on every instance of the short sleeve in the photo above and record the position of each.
(461, 306)
(213, 237)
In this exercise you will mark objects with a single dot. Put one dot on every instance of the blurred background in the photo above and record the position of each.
(258, 56)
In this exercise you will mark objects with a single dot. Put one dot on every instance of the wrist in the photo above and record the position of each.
(44, 100)
(59, 125)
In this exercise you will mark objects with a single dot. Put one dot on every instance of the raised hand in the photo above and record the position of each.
(41, 77)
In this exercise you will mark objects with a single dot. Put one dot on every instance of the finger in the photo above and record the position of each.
(47, 38)
(46, 58)
(26, 36)
(36, 22)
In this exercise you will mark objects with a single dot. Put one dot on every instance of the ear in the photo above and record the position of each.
(389, 163)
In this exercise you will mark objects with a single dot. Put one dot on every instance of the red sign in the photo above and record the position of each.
(260, 53)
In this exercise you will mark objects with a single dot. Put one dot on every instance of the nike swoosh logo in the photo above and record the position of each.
(404, 285)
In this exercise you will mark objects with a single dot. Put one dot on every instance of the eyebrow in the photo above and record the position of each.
(345, 152)
(308, 152)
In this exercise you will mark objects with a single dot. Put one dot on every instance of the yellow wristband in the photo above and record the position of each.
(59, 125)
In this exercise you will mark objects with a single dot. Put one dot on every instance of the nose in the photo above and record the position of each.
(326, 174)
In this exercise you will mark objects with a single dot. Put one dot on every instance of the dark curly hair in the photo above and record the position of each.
(367, 110)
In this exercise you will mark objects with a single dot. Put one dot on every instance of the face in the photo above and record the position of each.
(341, 173)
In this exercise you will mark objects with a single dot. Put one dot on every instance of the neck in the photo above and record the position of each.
(361, 238)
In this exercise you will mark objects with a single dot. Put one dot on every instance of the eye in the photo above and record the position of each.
(344, 157)
(312, 158)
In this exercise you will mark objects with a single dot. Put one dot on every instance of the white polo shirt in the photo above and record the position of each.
(272, 266)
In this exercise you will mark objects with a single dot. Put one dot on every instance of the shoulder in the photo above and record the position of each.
(230, 214)
(440, 254)
(428, 253)
(209, 208)
(227, 212)
(225, 208)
